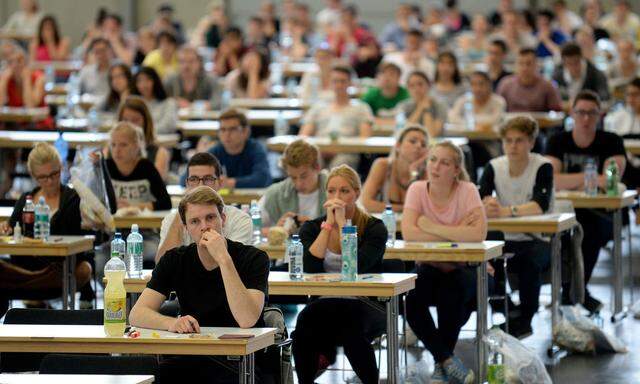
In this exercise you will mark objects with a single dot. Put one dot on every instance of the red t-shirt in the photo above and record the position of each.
(14, 92)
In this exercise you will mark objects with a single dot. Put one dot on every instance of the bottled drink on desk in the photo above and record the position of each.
(612, 178)
(42, 226)
(134, 251)
(349, 243)
(28, 218)
(401, 121)
(115, 304)
(295, 253)
(49, 78)
(93, 120)
(590, 178)
(281, 127)
(256, 220)
(389, 220)
(118, 246)
(469, 117)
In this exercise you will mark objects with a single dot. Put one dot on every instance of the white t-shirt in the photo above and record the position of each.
(346, 121)
(237, 227)
(308, 204)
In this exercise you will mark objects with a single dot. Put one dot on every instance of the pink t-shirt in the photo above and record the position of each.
(465, 199)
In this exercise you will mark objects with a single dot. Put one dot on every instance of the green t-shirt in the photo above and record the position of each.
(379, 103)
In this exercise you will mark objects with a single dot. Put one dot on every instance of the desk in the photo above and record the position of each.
(61, 67)
(8, 378)
(273, 103)
(194, 128)
(5, 213)
(145, 220)
(615, 204)
(632, 146)
(479, 253)
(56, 89)
(23, 115)
(65, 247)
(256, 117)
(371, 145)
(92, 339)
(27, 139)
(85, 101)
(545, 119)
(234, 196)
(293, 69)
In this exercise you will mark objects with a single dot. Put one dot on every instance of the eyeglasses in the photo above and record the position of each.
(237, 128)
(194, 181)
(52, 176)
(584, 113)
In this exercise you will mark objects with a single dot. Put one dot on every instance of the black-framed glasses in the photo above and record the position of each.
(237, 128)
(586, 113)
(193, 181)
(52, 176)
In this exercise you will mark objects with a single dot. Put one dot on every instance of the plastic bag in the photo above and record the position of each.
(521, 364)
(577, 333)
(89, 182)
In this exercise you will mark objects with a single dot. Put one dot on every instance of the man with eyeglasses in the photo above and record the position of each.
(204, 169)
(243, 159)
(626, 123)
(568, 153)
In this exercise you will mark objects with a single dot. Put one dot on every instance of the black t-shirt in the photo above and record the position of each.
(143, 185)
(201, 293)
(573, 158)
(65, 221)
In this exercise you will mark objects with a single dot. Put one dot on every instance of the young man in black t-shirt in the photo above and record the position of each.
(568, 152)
(219, 283)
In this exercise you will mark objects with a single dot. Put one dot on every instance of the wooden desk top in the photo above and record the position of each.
(374, 144)
(550, 223)
(545, 119)
(5, 213)
(92, 339)
(60, 246)
(632, 146)
(191, 128)
(425, 251)
(85, 101)
(56, 89)
(8, 378)
(27, 139)
(64, 66)
(278, 103)
(600, 201)
(145, 220)
(293, 69)
(23, 115)
(81, 124)
(234, 196)
(256, 117)
(459, 130)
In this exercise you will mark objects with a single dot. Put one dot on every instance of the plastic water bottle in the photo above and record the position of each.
(73, 93)
(115, 297)
(349, 244)
(281, 127)
(495, 368)
(276, 74)
(256, 220)
(401, 121)
(469, 117)
(569, 123)
(17, 234)
(49, 78)
(291, 87)
(93, 120)
(295, 253)
(590, 178)
(134, 251)
(315, 88)
(389, 220)
(225, 99)
(28, 218)
(613, 176)
(548, 66)
(118, 246)
(42, 224)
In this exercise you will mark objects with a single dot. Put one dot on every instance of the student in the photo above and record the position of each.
(550, 39)
(192, 83)
(37, 277)
(94, 77)
(568, 153)
(421, 108)
(411, 58)
(19, 85)
(447, 85)
(301, 196)
(488, 107)
(219, 282)
(163, 59)
(251, 79)
(393, 36)
(229, 52)
(134, 110)
(112, 30)
(390, 177)
(211, 27)
(120, 87)
(204, 169)
(626, 66)
(496, 56)
(163, 109)
(577, 74)
(323, 58)
(446, 207)
(523, 182)
(474, 43)
(146, 44)
(513, 35)
(48, 44)
(384, 98)
(366, 58)
(353, 323)
(621, 22)
(25, 21)
(135, 180)
(243, 159)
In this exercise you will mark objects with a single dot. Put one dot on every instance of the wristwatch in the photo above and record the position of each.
(514, 211)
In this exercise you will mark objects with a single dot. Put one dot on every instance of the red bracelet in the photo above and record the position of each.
(326, 226)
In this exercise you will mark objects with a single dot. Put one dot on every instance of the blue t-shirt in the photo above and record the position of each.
(250, 167)
(557, 37)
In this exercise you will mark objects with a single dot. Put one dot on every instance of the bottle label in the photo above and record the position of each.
(134, 248)
(114, 310)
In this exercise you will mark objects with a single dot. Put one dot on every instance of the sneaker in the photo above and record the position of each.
(439, 376)
(518, 328)
(592, 304)
(457, 372)
(40, 304)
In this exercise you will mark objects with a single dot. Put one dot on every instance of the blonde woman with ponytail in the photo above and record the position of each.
(327, 323)
(447, 207)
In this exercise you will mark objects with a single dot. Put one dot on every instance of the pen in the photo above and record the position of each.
(447, 245)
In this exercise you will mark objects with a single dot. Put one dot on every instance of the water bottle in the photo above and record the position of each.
(28, 218)
(276, 74)
(73, 94)
(401, 121)
(590, 178)
(469, 118)
(93, 120)
(281, 127)
(548, 67)
(495, 368)
(225, 99)
(49, 78)
(295, 253)
(349, 244)
(315, 88)
(569, 123)
(389, 220)
(115, 297)
(134, 251)
(256, 220)
(17, 234)
(291, 87)
(118, 246)
(62, 147)
(612, 174)
(42, 225)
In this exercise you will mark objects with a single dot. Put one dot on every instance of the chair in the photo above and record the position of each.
(99, 365)
(28, 362)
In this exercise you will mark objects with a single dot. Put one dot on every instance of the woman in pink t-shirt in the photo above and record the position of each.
(447, 207)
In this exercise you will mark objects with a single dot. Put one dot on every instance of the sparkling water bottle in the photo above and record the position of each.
(389, 220)
(256, 220)
(28, 218)
(93, 120)
(590, 178)
(118, 246)
(495, 368)
(349, 244)
(281, 127)
(401, 121)
(134, 251)
(469, 117)
(295, 253)
(613, 176)
(42, 220)
(225, 99)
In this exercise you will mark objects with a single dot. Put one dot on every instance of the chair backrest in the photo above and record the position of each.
(99, 365)
(28, 362)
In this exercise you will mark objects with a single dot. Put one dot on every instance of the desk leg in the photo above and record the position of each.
(556, 283)
(392, 340)
(72, 281)
(247, 369)
(481, 321)
(65, 283)
(618, 273)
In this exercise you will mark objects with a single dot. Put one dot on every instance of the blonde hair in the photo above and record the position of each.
(134, 132)
(458, 158)
(41, 154)
(299, 153)
(201, 195)
(360, 217)
(524, 124)
(404, 132)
